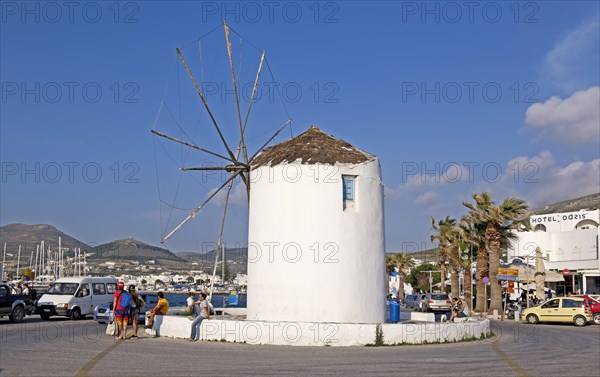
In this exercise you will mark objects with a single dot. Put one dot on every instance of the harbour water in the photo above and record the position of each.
(219, 300)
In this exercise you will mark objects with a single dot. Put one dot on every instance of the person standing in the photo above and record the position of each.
(202, 303)
(161, 308)
(121, 314)
(137, 303)
(25, 291)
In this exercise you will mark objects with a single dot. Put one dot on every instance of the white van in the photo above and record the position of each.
(76, 297)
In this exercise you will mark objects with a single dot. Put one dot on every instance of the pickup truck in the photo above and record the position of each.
(13, 305)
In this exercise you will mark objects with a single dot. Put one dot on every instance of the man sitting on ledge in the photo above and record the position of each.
(161, 308)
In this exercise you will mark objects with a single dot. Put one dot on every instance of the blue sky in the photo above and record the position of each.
(453, 97)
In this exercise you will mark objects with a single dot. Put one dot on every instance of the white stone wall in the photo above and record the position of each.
(321, 334)
(309, 259)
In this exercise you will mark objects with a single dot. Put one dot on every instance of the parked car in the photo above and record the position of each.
(14, 305)
(436, 302)
(594, 306)
(560, 309)
(415, 301)
(103, 313)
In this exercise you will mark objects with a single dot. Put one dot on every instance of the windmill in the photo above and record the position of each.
(238, 160)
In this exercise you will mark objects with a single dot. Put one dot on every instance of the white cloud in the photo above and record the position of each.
(573, 61)
(427, 198)
(576, 179)
(575, 119)
(238, 195)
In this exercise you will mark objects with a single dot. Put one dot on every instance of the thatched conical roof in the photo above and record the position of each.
(312, 147)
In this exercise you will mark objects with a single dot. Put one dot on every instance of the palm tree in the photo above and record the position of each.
(497, 220)
(454, 256)
(474, 234)
(389, 267)
(444, 236)
(403, 262)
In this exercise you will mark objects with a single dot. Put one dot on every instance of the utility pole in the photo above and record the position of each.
(431, 279)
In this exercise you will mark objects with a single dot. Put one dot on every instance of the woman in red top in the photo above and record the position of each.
(121, 314)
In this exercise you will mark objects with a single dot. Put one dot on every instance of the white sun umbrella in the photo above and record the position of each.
(540, 274)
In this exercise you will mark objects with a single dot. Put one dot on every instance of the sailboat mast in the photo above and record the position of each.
(18, 261)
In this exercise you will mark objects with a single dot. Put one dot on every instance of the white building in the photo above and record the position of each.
(316, 238)
(569, 243)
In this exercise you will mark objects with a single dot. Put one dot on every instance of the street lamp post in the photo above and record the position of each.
(431, 279)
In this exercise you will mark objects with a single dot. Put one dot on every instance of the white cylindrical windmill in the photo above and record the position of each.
(316, 233)
(316, 239)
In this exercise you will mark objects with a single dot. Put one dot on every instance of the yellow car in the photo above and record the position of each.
(560, 309)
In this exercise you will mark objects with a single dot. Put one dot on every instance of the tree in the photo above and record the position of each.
(473, 234)
(403, 262)
(454, 257)
(444, 236)
(389, 267)
(498, 220)
(419, 279)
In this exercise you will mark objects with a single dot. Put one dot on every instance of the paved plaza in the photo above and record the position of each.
(61, 347)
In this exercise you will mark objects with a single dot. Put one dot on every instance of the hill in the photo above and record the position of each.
(28, 236)
(131, 250)
(585, 202)
(237, 259)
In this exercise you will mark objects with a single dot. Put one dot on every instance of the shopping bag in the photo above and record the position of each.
(111, 329)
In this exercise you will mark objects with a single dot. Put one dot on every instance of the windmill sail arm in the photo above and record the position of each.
(229, 168)
(187, 68)
(271, 138)
(195, 212)
(158, 133)
(235, 92)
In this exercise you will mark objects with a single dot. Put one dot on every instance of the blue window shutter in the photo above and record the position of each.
(348, 183)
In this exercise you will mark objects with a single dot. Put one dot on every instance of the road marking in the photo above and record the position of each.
(508, 360)
(83, 372)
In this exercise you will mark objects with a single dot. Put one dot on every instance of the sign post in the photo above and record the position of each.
(486, 281)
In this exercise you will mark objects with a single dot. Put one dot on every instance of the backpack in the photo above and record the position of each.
(125, 300)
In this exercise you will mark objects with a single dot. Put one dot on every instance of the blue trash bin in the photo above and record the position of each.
(394, 311)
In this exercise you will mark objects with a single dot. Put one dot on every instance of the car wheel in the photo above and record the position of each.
(579, 321)
(17, 315)
(596, 318)
(533, 319)
(75, 314)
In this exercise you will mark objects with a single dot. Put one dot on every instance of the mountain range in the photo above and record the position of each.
(130, 250)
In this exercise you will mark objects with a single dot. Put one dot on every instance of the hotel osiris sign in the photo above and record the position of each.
(563, 221)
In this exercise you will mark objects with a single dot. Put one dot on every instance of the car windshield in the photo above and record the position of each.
(439, 297)
(63, 289)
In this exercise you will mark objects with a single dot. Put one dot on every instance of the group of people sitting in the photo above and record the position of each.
(459, 309)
